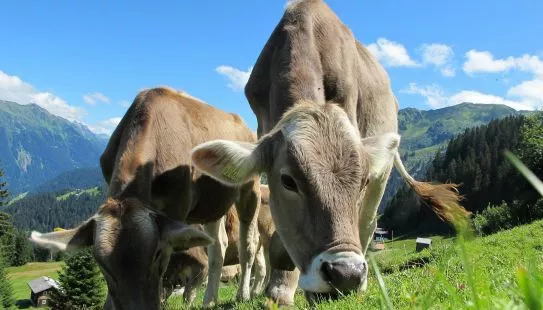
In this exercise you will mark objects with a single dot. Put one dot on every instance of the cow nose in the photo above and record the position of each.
(345, 276)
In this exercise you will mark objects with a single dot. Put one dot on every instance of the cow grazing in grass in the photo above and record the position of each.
(327, 128)
(153, 188)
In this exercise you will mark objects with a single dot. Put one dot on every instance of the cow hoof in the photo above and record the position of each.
(241, 296)
(364, 286)
(209, 303)
(280, 296)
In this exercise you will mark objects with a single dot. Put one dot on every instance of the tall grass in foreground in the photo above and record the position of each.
(525, 293)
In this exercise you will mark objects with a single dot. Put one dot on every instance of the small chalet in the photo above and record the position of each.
(423, 243)
(379, 238)
(40, 290)
(380, 235)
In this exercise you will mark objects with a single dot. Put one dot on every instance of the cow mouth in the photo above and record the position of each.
(314, 298)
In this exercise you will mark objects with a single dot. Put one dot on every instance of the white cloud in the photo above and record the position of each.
(440, 56)
(92, 98)
(436, 97)
(12, 88)
(531, 90)
(105, 127)
(391, 54)
(532, 64)
(238, 78)
(394, 54)
(436, 54)
(483, 61)
(528, 93)
(448, 71)
(477, 97)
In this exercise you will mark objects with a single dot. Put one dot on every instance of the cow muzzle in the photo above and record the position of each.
(335, 273)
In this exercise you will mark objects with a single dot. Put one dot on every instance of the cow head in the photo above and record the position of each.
(318, 167)
(132, 245)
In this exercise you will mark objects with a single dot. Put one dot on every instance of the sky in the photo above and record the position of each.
(86, 61)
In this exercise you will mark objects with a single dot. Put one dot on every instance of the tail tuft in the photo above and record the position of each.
(444, 199)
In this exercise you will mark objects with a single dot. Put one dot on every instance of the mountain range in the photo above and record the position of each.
(37, 146)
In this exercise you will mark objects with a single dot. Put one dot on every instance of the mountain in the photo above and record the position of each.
(38, 146)
(425, 132)
(72, 180)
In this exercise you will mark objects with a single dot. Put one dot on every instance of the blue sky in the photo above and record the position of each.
(86, 61)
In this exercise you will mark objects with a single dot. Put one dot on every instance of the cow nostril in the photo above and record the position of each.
(327, 269)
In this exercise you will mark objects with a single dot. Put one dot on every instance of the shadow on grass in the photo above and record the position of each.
(416, 262)
(23, 303)
(227, 305)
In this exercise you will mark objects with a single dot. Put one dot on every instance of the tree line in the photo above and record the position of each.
(475, 159)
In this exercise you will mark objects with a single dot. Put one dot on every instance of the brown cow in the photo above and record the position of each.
(327, 123)
(147, 164)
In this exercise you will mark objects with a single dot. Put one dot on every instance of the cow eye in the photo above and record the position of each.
(365, 183)
(288, 183)
(157, 255)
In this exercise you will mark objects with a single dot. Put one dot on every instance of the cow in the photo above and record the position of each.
(153, 188)
(328, 139)
(189, 269)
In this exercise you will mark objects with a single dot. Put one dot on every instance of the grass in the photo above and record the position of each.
(17, 198)
(19, 276)
(91, 191)
(500, 271)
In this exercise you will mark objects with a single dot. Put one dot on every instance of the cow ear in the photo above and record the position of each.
(66, 240)
(181, 236)
(279, 258)
(229, 162)
(381, 149)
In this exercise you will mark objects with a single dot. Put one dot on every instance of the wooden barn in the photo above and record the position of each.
(379, 238)
(40, 290)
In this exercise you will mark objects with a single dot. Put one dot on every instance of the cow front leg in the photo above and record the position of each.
(259, 273)
(215, 259)
(247, 208)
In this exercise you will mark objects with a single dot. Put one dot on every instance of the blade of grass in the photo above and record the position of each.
(529, 175)
(381, 282)
(469, 271)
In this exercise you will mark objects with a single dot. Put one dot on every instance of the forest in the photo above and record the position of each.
(493, 191)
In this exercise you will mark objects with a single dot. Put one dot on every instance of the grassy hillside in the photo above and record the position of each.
(94, 191)
(484, 273)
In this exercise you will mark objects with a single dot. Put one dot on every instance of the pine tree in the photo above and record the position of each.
(6, 291)
(531, 145)
(7, 237)
(4, 194)
(81, 283)
(23, 250)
